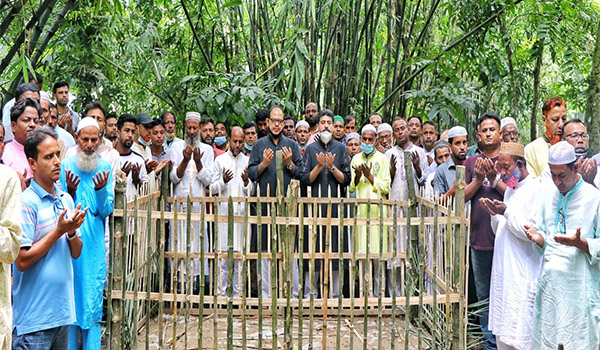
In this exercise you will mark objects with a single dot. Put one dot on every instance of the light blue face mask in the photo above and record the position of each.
(220, 140)
(367, 149)
(248, 147)
(144, 143)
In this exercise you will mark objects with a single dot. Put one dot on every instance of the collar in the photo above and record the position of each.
(523, 182)
(42, 193)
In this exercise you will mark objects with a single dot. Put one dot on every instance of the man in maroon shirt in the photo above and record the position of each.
(483, 181)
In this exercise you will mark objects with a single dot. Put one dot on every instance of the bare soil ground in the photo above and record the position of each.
(188, 338)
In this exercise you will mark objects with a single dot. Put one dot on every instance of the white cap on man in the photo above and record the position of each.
(507, 121)
(86, 122)
(457, 131)
(561, 153)
(368, 128)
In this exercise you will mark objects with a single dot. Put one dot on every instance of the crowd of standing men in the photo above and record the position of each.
(535, 209)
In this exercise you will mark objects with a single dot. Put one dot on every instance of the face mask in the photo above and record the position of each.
(514, 177)
(582, 154)
(248, 147)
(325, 137)
(367, 149)
(220, 140)
(143, 142)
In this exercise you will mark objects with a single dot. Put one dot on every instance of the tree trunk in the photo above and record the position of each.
(511, 68)
(592, 110)
(539, 47)
(16, 7)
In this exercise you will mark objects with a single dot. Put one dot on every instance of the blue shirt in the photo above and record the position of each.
(43, 294)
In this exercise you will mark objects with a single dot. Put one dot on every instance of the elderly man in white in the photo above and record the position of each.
(192, 173)
(233, 165)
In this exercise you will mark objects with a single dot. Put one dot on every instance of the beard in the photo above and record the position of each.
(87, 162)
(194, 142)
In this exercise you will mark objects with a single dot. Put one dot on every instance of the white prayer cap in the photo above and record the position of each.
(85, 122)
(192, 116)
(368, 128)
(352, 135)
(302, 123)
(507, 121)
(457, 131)
(384, 127)
(561, 153)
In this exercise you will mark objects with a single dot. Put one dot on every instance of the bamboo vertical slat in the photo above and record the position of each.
(148, 272)
(366, 276)
(381, 285)
(341, 233)
(161, 275)
(300, 275)
(459, 254)
(201, 238)
(215, 275)
(244, 263)
(115, 268)
(259, 229)
(188, 267)
(175, 276)
(395, 264)
(229, 275)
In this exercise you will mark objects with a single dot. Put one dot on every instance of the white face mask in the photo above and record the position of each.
(325, 137)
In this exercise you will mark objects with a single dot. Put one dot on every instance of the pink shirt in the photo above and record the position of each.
(14, 157)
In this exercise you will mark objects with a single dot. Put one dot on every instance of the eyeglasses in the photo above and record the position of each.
(276, 121)
(575, 136)
(511, 134)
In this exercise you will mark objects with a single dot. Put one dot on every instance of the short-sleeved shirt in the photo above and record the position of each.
(482, 235)
(444, 176)
(43, 296)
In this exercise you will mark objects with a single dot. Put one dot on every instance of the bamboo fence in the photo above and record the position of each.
(151, 276)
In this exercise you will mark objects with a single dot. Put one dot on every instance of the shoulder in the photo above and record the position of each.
(10, 175)
(536, 144)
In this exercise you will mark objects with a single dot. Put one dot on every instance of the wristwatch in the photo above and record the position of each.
(333, 168)
(291, 166)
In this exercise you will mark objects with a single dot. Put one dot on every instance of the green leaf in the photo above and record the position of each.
(232, 3)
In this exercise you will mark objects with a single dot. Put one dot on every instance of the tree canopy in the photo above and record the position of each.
(448, 61)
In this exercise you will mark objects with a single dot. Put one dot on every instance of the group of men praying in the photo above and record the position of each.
(534, 210)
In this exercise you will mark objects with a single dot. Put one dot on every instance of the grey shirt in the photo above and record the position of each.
(444, 176)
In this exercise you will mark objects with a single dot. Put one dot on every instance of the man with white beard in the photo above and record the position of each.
(88, 179)
(193, 163)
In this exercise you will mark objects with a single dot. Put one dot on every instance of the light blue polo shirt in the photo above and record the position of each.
(43, 294)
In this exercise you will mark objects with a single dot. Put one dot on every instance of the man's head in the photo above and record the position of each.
(249, 135)
(384, 136)
(302, 132)
(60, 92)
(127, 128)
(27, 90)
(96, 110)
(236, 140)
(554, 115)
(88, 140)
(144, 126)
(400, 132)
(489, 130)
(368, 135)
(192, 128)
(458, 140)
(441, 152)
(428, 134)
(220, 134)
(261, 122)
(275, 121)
(325, 122)
(157, 134)
(338, 128)
(414, 127)
(575, 132)
(310, 113)
(170, 124)
(288, 127)
(24, 118)
(207, 131)
(112, 132)
(508, 130)
(561, 159)
(511, 163)
(45, 106)
(350, 124)
(375, 120)
(43, 155)
(353, 144)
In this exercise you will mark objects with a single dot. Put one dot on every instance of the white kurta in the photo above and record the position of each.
(516, 266)
(567, 305)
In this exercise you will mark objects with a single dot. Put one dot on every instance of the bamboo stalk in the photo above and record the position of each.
(341, 232)
(229, 275)
(215, 281)
(366, 277)
(353, 268)
(201, 237)
(259, 270)
(244, 275)
(148, 274)
(300, 275)
(135, 273)
(311, 271)
(175, 276)
(161, 276)
(116, 266)
(394, 273)
(273, 280)
(435, 270)
(381, 274)
(188, 267)
(422, 254)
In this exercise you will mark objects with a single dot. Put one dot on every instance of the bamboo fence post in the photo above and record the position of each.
(311, 271)
(395, 262)
(381, 285)
(325, 268)
(366, 277)
(458, 278)
(435, 271)
(273, 280)
(116, 279)
(259, 268)
(448, 264)
(341, 214)
(135, 271)
(201, 236)
(244, 274)
(161, 276)
(407, 281)
(300, 274)
(175, 275)
(289, 234)
(149, 271)
(353, 270)
(188, 266)
(421, 271)
(229, 274)
(215, 273)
